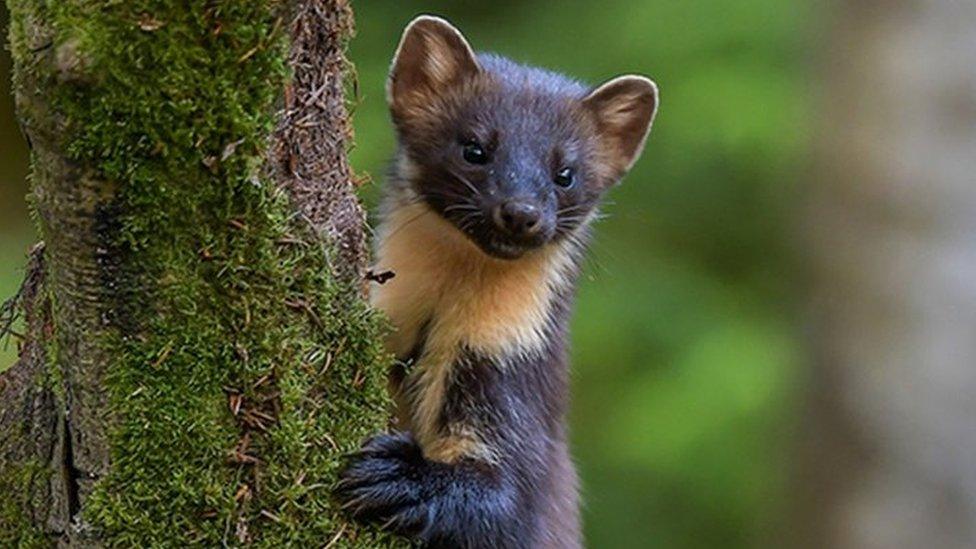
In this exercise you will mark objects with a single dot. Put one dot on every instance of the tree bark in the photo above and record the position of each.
(890, 444)
(198, 355)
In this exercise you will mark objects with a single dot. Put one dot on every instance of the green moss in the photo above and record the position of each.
(16, 483)
(174, 109)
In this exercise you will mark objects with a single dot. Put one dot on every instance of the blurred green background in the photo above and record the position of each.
(686, 352)
(16, 230)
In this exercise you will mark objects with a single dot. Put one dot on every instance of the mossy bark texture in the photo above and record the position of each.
(198, 356)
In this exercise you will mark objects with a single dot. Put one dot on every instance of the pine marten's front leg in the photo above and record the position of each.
(480, 483)
(468, 503)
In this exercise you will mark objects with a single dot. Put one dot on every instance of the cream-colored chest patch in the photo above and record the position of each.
(466, 299)
(490, 305)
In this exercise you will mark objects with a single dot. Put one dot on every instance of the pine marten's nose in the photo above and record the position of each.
(517, 218)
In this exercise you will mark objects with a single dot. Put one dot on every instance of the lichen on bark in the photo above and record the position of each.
(211, 355)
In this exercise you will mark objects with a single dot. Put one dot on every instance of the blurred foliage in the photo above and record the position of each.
(16, 232)
(685, 353)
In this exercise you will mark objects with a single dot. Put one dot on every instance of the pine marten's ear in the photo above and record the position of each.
(624, 109)
(432, 57)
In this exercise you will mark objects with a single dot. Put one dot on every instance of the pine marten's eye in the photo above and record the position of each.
(564, 178)
(474, 153)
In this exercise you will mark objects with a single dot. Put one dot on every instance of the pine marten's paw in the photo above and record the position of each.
(383, 483)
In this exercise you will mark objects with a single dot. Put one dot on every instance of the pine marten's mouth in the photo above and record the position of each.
(492, 240)
(505, 250)
(501, 246)
(495, 245)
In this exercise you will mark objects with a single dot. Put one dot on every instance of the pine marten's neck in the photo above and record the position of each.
(460, 297)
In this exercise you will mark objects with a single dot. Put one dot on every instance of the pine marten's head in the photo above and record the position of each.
(514, 157)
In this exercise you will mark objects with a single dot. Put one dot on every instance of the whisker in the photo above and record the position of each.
(570, 221)
(464, 180)
(405, 223)
(471, 219)
(449, 198)
(569, 209)
(466, 206)
(468, 221)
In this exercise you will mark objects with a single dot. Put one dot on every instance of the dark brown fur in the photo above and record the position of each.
(485, 232)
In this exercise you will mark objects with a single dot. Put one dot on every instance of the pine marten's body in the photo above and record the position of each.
(498, 174)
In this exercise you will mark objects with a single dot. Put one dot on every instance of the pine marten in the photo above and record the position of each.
(498, 175)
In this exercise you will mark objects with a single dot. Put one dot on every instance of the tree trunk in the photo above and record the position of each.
(891, 445)
(198, 355)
